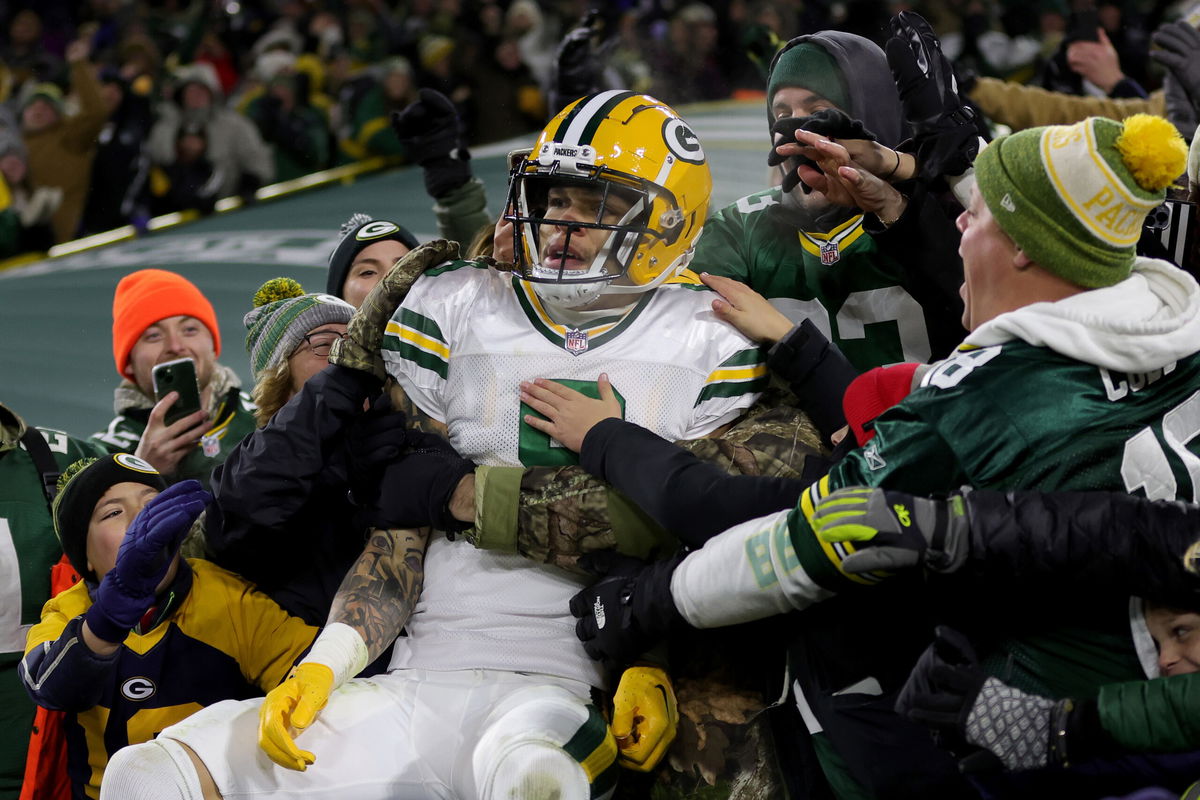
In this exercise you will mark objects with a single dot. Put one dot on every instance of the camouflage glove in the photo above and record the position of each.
(894, 530)
(645, 716)
(360, 348)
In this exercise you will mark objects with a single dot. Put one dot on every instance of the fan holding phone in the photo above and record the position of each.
(177, 406)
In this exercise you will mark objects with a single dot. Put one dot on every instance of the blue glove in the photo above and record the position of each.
(127, 592)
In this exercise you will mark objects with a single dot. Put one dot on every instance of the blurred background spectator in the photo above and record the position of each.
(288, 88)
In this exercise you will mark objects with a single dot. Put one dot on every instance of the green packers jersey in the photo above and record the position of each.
(840, 280)
(28, 549)
(1016, 416)
(233, 420)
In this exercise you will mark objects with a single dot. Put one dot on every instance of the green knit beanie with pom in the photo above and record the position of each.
(1074, 197)
(282, 316)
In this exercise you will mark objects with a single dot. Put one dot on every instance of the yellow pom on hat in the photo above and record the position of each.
(1153, 151)
(281, 317)
(1074, 198)
(277, 289)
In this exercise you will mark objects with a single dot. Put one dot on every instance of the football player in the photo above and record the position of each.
(489, 695)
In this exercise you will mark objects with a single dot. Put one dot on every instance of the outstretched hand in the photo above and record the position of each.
(432, 133)
(945, 127)
(747, 310)
(569, 414)
(843, 180)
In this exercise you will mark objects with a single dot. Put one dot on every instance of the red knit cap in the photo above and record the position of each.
(874, 392)
(149, 295)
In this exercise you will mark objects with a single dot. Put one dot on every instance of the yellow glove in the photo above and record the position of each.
(644, 717)
(292, 706)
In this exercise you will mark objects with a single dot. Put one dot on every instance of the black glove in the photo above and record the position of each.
(378, 436)
(628, 611)
(1177, 45)
(416, 488)
(828, 122)
(579, 62)
(374, 440)
(431, 132)
(949, 692)
(945, 128)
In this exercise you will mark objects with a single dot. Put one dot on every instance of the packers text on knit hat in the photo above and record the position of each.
(810, 66)
(149, 295)
(1074, 197)
(81, 486)
(359, 232)
(282, 316)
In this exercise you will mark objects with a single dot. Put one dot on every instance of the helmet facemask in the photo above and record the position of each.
(631, 228)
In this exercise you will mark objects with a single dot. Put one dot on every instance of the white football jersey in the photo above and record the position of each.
(460, 345)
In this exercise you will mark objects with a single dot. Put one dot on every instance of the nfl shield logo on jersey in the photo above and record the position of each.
(830, 253)
(577, 342)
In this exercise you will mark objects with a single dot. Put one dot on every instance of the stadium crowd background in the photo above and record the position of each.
(155, 92)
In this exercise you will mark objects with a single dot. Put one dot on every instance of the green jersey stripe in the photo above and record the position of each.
(451, 266)
(421, 324)
(421, 358)
(811, 556)
(744, 358)
(732, 388)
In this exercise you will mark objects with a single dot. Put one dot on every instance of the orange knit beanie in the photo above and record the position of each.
(149, 295)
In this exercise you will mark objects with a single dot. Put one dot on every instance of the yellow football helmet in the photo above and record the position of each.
(619, 144)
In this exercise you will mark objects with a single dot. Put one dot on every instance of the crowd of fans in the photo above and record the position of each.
(116, 112)
(974, 279)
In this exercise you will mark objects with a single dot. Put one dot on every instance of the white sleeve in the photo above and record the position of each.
(730, 389)
(419, 337)
(746, 573)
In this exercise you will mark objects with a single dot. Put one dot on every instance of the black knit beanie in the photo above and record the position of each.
(358, 232)
(79, 489)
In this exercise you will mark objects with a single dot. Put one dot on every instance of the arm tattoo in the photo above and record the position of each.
(378, 594)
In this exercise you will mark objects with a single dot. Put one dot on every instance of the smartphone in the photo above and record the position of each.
(1083, 26)
(177, 376)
